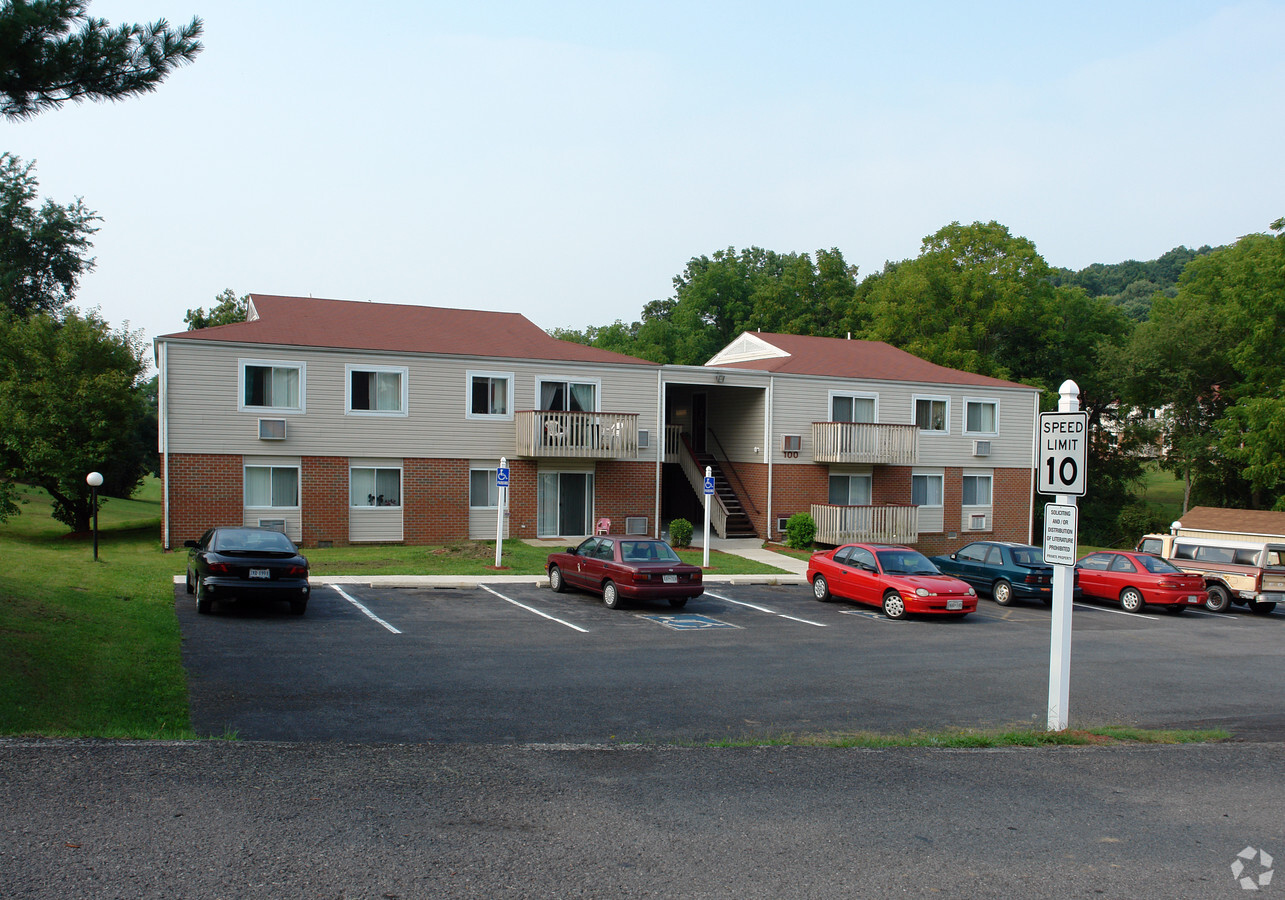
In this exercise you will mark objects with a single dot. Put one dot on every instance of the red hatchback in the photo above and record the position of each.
(897, 579)
(1136, 579)
(625, 569)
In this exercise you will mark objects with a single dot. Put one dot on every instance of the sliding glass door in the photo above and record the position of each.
(564, 504)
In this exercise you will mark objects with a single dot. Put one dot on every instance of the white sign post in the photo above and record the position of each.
(709, 492)
(501, 506)
(1063, 445)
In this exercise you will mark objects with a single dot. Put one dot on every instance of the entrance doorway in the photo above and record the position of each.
(564, 504)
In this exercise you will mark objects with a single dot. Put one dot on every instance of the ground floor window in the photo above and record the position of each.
(977, 490)
(482, 490)
(269, 487)
(376, 487)
(850, 490)
(926, 490)
(564, 504)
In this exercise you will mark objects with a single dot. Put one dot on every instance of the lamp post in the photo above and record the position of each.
(94, 479)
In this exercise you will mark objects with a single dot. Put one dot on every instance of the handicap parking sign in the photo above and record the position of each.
(501, 477)
(709, 485)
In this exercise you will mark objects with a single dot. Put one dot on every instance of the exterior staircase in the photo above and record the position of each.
(738, 523)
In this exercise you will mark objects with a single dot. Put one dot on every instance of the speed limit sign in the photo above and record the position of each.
(1064, 439)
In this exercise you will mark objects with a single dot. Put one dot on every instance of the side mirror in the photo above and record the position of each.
(955, 557)
(571, 550)
(191, 544)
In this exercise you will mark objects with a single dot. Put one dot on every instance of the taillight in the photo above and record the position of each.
(642, 576)
(220, 569)
(1171, 585)
(296, 572)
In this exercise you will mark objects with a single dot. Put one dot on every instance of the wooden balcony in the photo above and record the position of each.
(553, 434)
(866, 524)
(865, 442)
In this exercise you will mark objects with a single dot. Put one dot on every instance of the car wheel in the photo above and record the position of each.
(556, 583)
(1261, 609)
(893, 606)
(678, 602)
(610, 596)
(203, 602)
(299, 607)
(820, 589)
(1219, 598)
(1131, 600)
(1002, 592)
(187, 582)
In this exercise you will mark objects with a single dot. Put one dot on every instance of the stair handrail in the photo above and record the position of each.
(696, 477)
(725, 464)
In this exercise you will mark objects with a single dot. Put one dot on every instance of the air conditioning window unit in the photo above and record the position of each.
(636, 525)
(272, 429)
(978, 522)
(791, 443)
(781, 522)
(981, 448)
(275, 524)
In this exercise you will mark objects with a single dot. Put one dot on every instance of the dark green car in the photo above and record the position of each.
(1005, 570)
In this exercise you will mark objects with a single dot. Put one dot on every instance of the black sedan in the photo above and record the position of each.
(246, 564)
(1005, 570)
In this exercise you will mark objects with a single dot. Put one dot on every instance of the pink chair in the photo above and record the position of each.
(604, 526)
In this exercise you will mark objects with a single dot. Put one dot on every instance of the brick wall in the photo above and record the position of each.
(622, 489)
(323, 499)
(434, 500)
(204, 491)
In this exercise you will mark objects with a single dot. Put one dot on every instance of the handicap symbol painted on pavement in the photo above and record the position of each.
(688, 622)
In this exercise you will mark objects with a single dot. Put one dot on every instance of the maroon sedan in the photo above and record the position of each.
(897, 579)
(1136, 579)
(622, 568)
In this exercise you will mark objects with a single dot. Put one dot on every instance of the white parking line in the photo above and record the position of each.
(1118, 612)
(1205, 612)
(763, 609)
(357, 603)
(534, 610)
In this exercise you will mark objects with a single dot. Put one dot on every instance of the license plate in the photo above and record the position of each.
(954, 604)
(260, 573)
(1192, 599)
(670, 579)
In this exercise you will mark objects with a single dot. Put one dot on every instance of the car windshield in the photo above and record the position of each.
(1029, 557)
(1157, 566)
(647, 551)
(252, 539)
(906, 562)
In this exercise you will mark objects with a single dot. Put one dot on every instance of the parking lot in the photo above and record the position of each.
(521, 664)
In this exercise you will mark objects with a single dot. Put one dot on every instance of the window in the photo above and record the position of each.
(569, 396)
(490, 395)
(266, 384)
(482, 490)
(379, 391)
(926, 490)
(977, 490)
(375, 487)
(1122, 564)
(981, 417)
(932, 413)
(268, 487)
(853, 408)
(850, 490)
(973, 553)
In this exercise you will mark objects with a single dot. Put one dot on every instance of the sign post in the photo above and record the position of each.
(501, 506)
(709, 492)
(1063, 451)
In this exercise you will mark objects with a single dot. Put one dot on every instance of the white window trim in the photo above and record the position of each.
(932, 473)
(401, 486)
(468, 396)
(993, 402)
(244, 481)
(855, 395)
(491, 470)
(914, 403)
(569, 379)
(988, 474)
(274, 410)
(403, 371)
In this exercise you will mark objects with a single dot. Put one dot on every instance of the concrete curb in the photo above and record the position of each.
(472, 581)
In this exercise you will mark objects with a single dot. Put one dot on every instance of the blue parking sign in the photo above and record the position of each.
(709, 485)
(501, 477)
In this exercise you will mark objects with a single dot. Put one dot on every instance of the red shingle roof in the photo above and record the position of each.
(355, 325)
(872, 360)
(1235, 521)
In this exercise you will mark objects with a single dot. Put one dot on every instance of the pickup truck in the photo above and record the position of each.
(1245, 572)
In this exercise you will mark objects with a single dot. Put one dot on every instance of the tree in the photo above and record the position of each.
(43, 252)
(71, 402)
(229, 309)
(43, 64)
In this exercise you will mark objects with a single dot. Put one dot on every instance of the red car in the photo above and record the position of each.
(1136, 579)
(622, 568)
(897, 579)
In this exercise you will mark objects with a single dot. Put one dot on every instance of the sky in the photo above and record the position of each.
(565, 160)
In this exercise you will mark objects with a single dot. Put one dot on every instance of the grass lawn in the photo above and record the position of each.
(1162, 492)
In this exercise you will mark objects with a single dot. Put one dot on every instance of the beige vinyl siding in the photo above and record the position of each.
(374, 523)
(293, 519)
(202, 401)
(736, 416)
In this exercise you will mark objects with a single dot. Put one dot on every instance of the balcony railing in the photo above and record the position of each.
(546, 433)
(866, 524)
(865, 442)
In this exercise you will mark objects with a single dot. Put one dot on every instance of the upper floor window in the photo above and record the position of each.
(490, 395)
(981, 417)
(569, 396)
(853, 408)
(377, 390)
(932, 414)
(267, 384)
(272, 487)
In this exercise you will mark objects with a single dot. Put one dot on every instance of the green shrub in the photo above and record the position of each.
(680, 533)
(800, 531)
